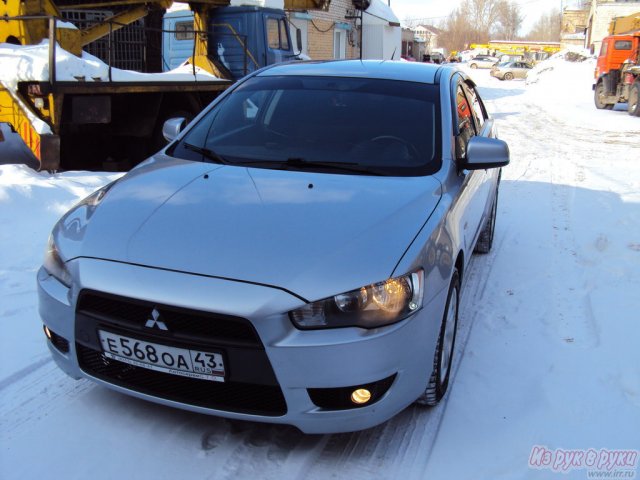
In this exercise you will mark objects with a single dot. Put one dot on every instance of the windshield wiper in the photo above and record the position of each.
(207, 153)
(303, 164)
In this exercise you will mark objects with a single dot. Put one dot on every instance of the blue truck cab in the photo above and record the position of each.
(243, 39)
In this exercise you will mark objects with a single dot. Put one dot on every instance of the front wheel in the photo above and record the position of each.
(473, 65)
(598, 97)
(439, 380)
(508, 76)
(633, 107)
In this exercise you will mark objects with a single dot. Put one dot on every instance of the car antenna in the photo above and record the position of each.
(394, 53)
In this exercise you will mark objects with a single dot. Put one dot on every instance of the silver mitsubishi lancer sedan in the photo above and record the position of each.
(293, 256)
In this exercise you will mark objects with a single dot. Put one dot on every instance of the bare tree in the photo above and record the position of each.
(547, 27)
(476, 21)
(484, 13)
(410, 22)
(458, 32)
(510, 20)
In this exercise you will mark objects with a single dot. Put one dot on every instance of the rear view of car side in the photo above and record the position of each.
(295, 256)
(483, 61)
(510, 70)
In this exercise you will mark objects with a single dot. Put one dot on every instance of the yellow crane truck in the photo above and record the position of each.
(97, 124)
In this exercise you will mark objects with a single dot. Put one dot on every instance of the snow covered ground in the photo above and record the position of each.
(31, 62)
(547, 353)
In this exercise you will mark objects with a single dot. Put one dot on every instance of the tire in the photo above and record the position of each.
(473, 65)
(508, 76)
(633, 107)
(597, 97)
(485, 240)
(443, 359)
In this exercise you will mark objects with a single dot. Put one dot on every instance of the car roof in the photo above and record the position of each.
(379, 69)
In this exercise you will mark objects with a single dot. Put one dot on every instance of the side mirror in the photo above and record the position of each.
(172, 128)
(485, 152)
(299, 40)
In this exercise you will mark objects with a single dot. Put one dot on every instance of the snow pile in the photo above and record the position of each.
(572, 51)
(279, 4)
(564, 89)
(572, 54)
(31, 63)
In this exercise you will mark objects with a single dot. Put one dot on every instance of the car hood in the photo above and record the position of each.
(313, 234)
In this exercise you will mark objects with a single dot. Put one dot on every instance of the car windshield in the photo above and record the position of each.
(323, 124)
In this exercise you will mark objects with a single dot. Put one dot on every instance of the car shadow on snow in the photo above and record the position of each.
(13, 150)
(491, 93)
(269, 445)
(503, 115)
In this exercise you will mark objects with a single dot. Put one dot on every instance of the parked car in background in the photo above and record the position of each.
(294, 256)
(483, 61)
(510, 70)
(511, 58)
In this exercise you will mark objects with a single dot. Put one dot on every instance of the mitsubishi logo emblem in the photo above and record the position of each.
(155, 322)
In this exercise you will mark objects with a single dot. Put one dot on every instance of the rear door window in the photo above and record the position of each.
(465, 122)
(477, 109)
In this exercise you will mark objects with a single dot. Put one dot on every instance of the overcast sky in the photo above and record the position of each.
(439, 9)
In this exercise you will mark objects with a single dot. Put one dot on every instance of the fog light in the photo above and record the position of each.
(360, 396)
(47, 332)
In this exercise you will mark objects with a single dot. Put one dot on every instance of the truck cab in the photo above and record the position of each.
(615, 50)
(242, 39)
(617, 73)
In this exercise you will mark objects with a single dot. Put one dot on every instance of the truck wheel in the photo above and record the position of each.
(508, 76)
(439, 379)
(633, 107)
(598, 98)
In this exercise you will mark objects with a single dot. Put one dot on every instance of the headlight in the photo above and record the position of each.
(71, 227)
(96, 197)
(372, 306)
(54, 264)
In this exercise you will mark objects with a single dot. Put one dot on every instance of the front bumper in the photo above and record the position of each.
(300, 360)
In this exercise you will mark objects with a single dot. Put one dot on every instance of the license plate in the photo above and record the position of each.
(162, 358)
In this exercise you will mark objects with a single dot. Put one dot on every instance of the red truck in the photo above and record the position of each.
(617, 75)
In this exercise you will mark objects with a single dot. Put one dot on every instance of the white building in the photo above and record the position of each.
(600, 15)
(381, 33)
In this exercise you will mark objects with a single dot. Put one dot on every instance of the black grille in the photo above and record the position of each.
(128, 43)
(340, 398)
(61, 343)
(182, 323)
(229, 396)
